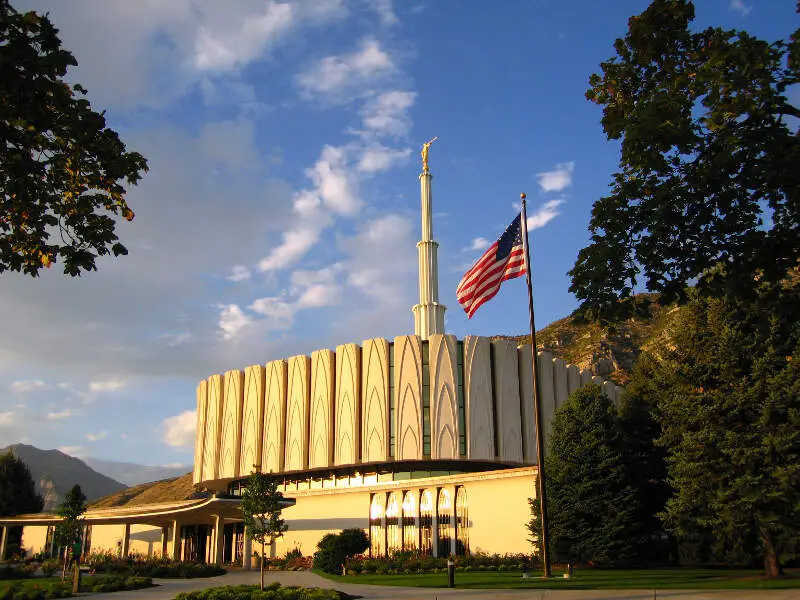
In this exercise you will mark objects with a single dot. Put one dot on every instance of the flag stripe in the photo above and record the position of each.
(503, 260)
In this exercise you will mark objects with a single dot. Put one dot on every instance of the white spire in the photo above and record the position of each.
(428, 314)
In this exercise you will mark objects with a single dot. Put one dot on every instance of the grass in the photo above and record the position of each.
(30, 583)
(591, 579)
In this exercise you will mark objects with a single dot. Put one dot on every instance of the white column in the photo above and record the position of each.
(175, 542)
(219, 539)
(454, 533)
(3, 543)
(247, 552)
(126, 540)
(428, 314)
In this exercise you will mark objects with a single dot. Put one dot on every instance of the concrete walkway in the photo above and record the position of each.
(168, 588)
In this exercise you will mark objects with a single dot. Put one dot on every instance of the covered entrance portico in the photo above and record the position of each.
(204, 530)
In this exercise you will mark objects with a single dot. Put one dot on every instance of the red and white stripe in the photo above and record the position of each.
(482, 282)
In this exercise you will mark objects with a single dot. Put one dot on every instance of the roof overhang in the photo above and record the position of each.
(188, 512)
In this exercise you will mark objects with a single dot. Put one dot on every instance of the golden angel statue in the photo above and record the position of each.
(424, 153)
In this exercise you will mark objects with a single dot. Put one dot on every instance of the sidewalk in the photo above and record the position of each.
(168, 588)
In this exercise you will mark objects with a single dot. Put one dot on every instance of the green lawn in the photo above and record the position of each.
(591, 579)
(33, 582)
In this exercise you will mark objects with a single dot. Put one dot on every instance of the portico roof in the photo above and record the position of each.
(186, 512)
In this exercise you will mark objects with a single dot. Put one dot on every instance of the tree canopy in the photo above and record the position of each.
(708, 190)
(728, 394)
(70, 529)
(18, 493)
(61, 169)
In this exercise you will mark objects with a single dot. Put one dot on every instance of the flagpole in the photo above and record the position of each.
(537, 405)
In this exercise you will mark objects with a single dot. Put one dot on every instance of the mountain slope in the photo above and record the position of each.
(55, 473)
(177, 488)
(134, 474)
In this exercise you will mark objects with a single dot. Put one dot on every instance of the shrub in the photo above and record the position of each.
(334, 549)
(273, 591)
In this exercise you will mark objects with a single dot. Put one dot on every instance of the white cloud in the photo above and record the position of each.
(26, 386)
(58, 416)
(105, 386)
(379, 158)
(334, 183)
(385, 11)
(7, 418)
(96, 437)
(347, 75)
(232, 320)
(546, 213)
(76, 451)
(225, 50)
(740, 7)
(479, 243)
(239, 273)
(558, 179)
(295, 244)
(179, 431)
(387, 113)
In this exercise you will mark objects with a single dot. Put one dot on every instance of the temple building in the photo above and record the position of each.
(425, 441)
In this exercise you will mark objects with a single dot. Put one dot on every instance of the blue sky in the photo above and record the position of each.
(281, 211)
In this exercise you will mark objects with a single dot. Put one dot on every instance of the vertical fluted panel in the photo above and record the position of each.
(320, 453)
(610, 390)
(507, 402)
(297, 404)
(526, 401)
(231, 425)
(375, 401)
(408, 394)
(200, 431)
(444, 400)
(478, 398)
(573, 378)
(274, 416)
(586, 377)
(252, 420)
(216, 398)
(347, 418)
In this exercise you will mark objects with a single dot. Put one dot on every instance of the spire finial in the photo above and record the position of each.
(424, 153)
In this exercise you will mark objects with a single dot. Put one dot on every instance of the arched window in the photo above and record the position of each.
(394, 540)
(444, 507)
(462, 522)
(376, 537)
(410, 541)
(426, 522)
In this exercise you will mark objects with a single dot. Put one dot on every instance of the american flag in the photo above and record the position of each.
(505, 259)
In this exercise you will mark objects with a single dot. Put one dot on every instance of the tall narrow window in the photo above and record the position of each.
(394, 537)
(444, 507)
(462, 417)
(410, 541)
(462, 522)
(391, 402)
(376, 537)
(426, 522)
(426, 401)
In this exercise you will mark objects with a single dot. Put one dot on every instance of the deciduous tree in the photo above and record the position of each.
(62, 171)
(708, 190)
(261, 511)
(69, 531)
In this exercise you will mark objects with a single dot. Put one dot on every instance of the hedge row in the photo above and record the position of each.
(273, 591)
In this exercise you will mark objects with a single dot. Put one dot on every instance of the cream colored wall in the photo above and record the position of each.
(333, 408)
(144, 539)
(34, 538)
(498, 512)
(106, 537)
(315, 515)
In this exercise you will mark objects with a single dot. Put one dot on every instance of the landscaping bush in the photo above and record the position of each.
(114, 583)
(334, 549)
(19, 571)
(33, 591)
(273, 591)
(416, 562)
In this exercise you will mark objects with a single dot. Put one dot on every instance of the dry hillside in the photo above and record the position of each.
(166, 490)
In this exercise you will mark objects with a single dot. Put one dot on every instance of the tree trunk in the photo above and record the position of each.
(263, 560)
(771, 565)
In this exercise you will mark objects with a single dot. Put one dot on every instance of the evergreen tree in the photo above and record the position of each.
(728, 393)
(17, 489)
(592, 501)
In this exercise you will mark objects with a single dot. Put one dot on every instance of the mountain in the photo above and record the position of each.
(609, 352)
(55, 473)
(134, 474)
